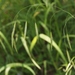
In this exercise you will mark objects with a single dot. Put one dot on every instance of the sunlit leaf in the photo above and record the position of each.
(11, 65)
(28, 52)
(33, 43)
(48, 39)
(7, 70)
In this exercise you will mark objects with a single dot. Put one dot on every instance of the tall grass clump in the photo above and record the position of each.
(37, 37)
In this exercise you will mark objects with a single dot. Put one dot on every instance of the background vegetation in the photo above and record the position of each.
(37, 37)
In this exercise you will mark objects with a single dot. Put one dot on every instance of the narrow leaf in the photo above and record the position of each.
(27, 50)
(11, 65)
(33, 43)
(49, 40)
(7, 70)
(6, 41)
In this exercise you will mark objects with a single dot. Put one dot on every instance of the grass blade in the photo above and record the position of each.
(7, 70)
(6, 41)
(69, 42)
(33, 43)
(12, 35)
(11, 65)
(3, 46)
(27, 50)
(25, 30)
(36, 28)
(48, 39)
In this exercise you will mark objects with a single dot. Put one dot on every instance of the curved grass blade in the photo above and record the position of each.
(34, 39)
(69, 43)
(33, 43)
(43, 25)
(7, 70)
(9, 66)
(13, 43)
(6, 41)
(70, 66)
(3, 46)
(27, 50)
(48, 39)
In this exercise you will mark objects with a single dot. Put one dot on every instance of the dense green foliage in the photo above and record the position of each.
(37, 37)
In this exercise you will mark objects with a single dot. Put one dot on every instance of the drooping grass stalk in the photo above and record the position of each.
(66, 12)
(46, 38)
(6, 41)
(28, 52)
(9, 66)
(3, 46)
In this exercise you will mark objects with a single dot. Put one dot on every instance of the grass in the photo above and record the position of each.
(37, 37)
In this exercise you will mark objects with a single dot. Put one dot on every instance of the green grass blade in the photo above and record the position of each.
(69, 42)
(48, 39)
(6, 41)
(34, 39)
(44, 26)
(36, 28)
(12, 35)
(25, 30)
(27, 50)
(7, 70)
(25, 46)
(11, 65)
(33, 43)
(3, 46)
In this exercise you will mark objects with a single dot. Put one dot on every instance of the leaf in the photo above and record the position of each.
(36, 29)
(27, 50)
(25, 46)
(7, 70)
(6, 41)
(8, 66)
(12, 35)
(68, 40)
(49, 40)
(25, 29)
(33, 43)
(44, 26)
(3, 46)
